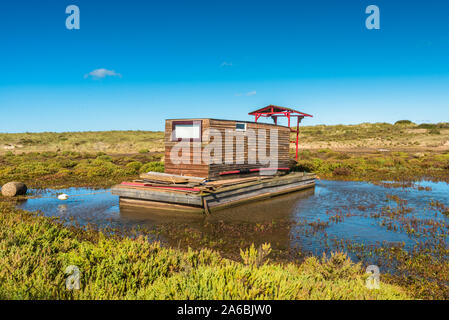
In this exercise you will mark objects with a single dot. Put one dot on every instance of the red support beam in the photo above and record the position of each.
(297, 139)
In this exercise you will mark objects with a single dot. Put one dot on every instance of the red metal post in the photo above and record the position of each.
(297, 139)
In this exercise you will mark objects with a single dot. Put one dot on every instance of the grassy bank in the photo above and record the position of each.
(115, 142)
(376, 166)
(66, 169)
(401, 136)
(35, 251)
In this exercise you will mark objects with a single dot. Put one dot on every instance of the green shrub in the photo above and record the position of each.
(427, 126)
(343, 156)
(403, 122)
(304, 166)
(104, 158)
(98, 168)
(255, 257)
(67, 163)
(144, 151)
(342, 171)
(135, 165)
(49, 154)
(155, 166)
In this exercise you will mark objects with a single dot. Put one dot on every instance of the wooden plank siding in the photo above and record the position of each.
(212, 170)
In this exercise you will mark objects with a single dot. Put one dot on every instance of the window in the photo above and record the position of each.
(186, 130)
(239, 126)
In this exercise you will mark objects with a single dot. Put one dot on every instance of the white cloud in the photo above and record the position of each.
(248, 94)
(102, 73)
(226, 64)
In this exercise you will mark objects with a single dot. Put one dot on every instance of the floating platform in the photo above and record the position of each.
(172, 193)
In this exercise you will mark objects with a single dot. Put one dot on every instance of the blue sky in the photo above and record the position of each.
(221, 59)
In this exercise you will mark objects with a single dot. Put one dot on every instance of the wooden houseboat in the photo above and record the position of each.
(212, 164)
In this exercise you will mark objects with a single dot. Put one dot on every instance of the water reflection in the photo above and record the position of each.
(256, 212)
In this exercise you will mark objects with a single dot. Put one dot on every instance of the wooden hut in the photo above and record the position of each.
(244, 136)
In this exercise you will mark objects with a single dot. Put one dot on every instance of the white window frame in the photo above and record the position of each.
(188, 130)
(237, 129)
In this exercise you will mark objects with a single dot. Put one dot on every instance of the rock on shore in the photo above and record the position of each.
(12, 189)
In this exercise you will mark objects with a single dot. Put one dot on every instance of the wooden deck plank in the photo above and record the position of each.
(246, 193)
(158, 176)
(157, 195)
(275, 181)
(261, 196)
(161, 206)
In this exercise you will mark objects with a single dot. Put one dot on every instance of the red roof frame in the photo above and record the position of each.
(270, 110)
(276, 111)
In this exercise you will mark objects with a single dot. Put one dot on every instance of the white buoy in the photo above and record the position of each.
(63, 196)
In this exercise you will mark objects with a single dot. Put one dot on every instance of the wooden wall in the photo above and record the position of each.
(212, 170)
(195, 170)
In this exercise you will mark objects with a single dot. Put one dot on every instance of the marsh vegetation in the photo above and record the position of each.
(35, 251)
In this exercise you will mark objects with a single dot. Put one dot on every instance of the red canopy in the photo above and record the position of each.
(275, 111)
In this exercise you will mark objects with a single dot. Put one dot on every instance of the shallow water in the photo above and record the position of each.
(354, 203)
